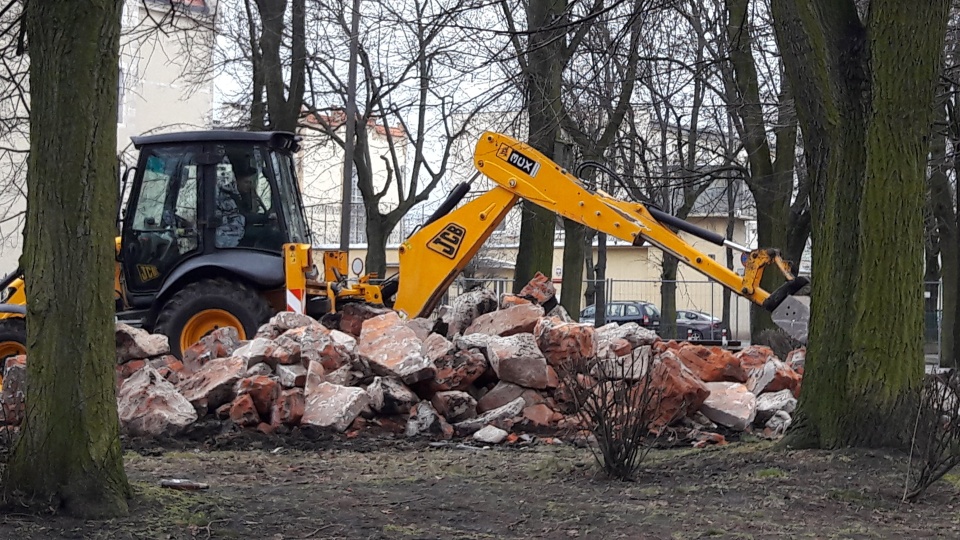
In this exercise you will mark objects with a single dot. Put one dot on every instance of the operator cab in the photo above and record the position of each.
(226, 198)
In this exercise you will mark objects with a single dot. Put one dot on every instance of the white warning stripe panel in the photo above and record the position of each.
(294, 303)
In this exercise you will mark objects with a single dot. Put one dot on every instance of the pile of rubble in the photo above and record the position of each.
(486, 367)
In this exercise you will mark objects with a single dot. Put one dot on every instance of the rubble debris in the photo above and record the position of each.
(147, 404)
(137, 344)
(513, 320)
(212, 385)
(563, 343)
(508, 411)
(490, 435)
(503, 393)
(443, 378)
(712, 364)
(730, 404)
(263, 392)
(334, 406)
(390, 396)
(221, 343)
(14, 390)
(769, 403)
(466, 308)
(454, 405)
(394, 350)
(292, 375)
(540, 289)
(517, 359)
(353, 315)
(425, 420)
(243, 412)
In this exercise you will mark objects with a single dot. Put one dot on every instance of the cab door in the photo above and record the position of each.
(163, 225)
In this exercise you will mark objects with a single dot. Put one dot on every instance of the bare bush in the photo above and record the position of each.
(618, 403)
(935, 446)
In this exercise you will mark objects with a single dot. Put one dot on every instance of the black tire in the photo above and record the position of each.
(12, 330)
(238, 299)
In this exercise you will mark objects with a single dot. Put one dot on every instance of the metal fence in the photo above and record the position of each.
(695, 295)
(707, 297)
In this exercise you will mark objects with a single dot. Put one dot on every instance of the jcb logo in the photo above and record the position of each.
(447, 242)
(148, 272)
(518, 160)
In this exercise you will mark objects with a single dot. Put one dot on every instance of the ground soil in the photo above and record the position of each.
(299, 487)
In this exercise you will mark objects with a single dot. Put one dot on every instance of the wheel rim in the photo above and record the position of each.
(11, 348)
(205, 322)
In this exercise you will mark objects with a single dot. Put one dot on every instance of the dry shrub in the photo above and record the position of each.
(935, 445)
(618, 407)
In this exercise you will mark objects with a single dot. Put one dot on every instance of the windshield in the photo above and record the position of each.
(290, 199)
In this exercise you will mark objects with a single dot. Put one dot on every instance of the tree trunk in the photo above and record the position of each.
(600, 271)
(543, 77)
(668, 298)
(378, 228)
(864, 95)
(68, 452)
(574, 254)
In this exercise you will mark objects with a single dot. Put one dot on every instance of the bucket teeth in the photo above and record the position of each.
(793, 315)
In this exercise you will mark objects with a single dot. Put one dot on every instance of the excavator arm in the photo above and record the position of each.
(433, 256)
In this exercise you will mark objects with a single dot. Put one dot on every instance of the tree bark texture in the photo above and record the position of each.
(545, 61)
(284, 97)
(69, 449)
(864, 93)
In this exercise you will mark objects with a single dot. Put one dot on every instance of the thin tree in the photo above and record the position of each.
(69, 449)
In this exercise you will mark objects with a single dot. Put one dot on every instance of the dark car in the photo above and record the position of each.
(643, 313)
(698, 325)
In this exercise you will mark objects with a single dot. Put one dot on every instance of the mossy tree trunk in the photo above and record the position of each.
(69, 449)
(864, 93)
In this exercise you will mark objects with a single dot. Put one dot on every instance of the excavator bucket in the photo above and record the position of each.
(793, 315)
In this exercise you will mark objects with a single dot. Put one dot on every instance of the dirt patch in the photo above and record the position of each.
(366, 488)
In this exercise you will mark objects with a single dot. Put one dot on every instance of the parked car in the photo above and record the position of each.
(698, 325)
(643, 313)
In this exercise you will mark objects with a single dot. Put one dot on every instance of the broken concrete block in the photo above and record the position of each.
(796, 359)
(490, 435)
(467, 307)
(540, 414)
(292, 376)
(503, 393)
(259, 369)
(394, 350)
(759, 378)
(421, 327)
(213, 384)
(677, 392)
(454, 405)
(770, 402)
(263, 392)
(259, 350)
(458, 370)
(353, 315)
(289, 407)
(730, 404)
(510, 410)
(777, 425)
(517, 359)
(631, 367)
(243, 412)
(138, 344)
(321, 346)
(632, 332)
(507, 322)
(390, 396)
(784, 378)
(424, 420)
(565, 343)
(221, 343)
(147, 404)
(334, 406)
(541, 289)
(344, 376)
(712, 364)
(316, 374)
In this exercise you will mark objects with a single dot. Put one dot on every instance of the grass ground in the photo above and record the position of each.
(282, 488)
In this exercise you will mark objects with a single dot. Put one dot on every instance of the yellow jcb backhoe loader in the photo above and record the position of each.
(213, 234)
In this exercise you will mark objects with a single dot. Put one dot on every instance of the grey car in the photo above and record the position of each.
(643, 313)
(698, 325)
